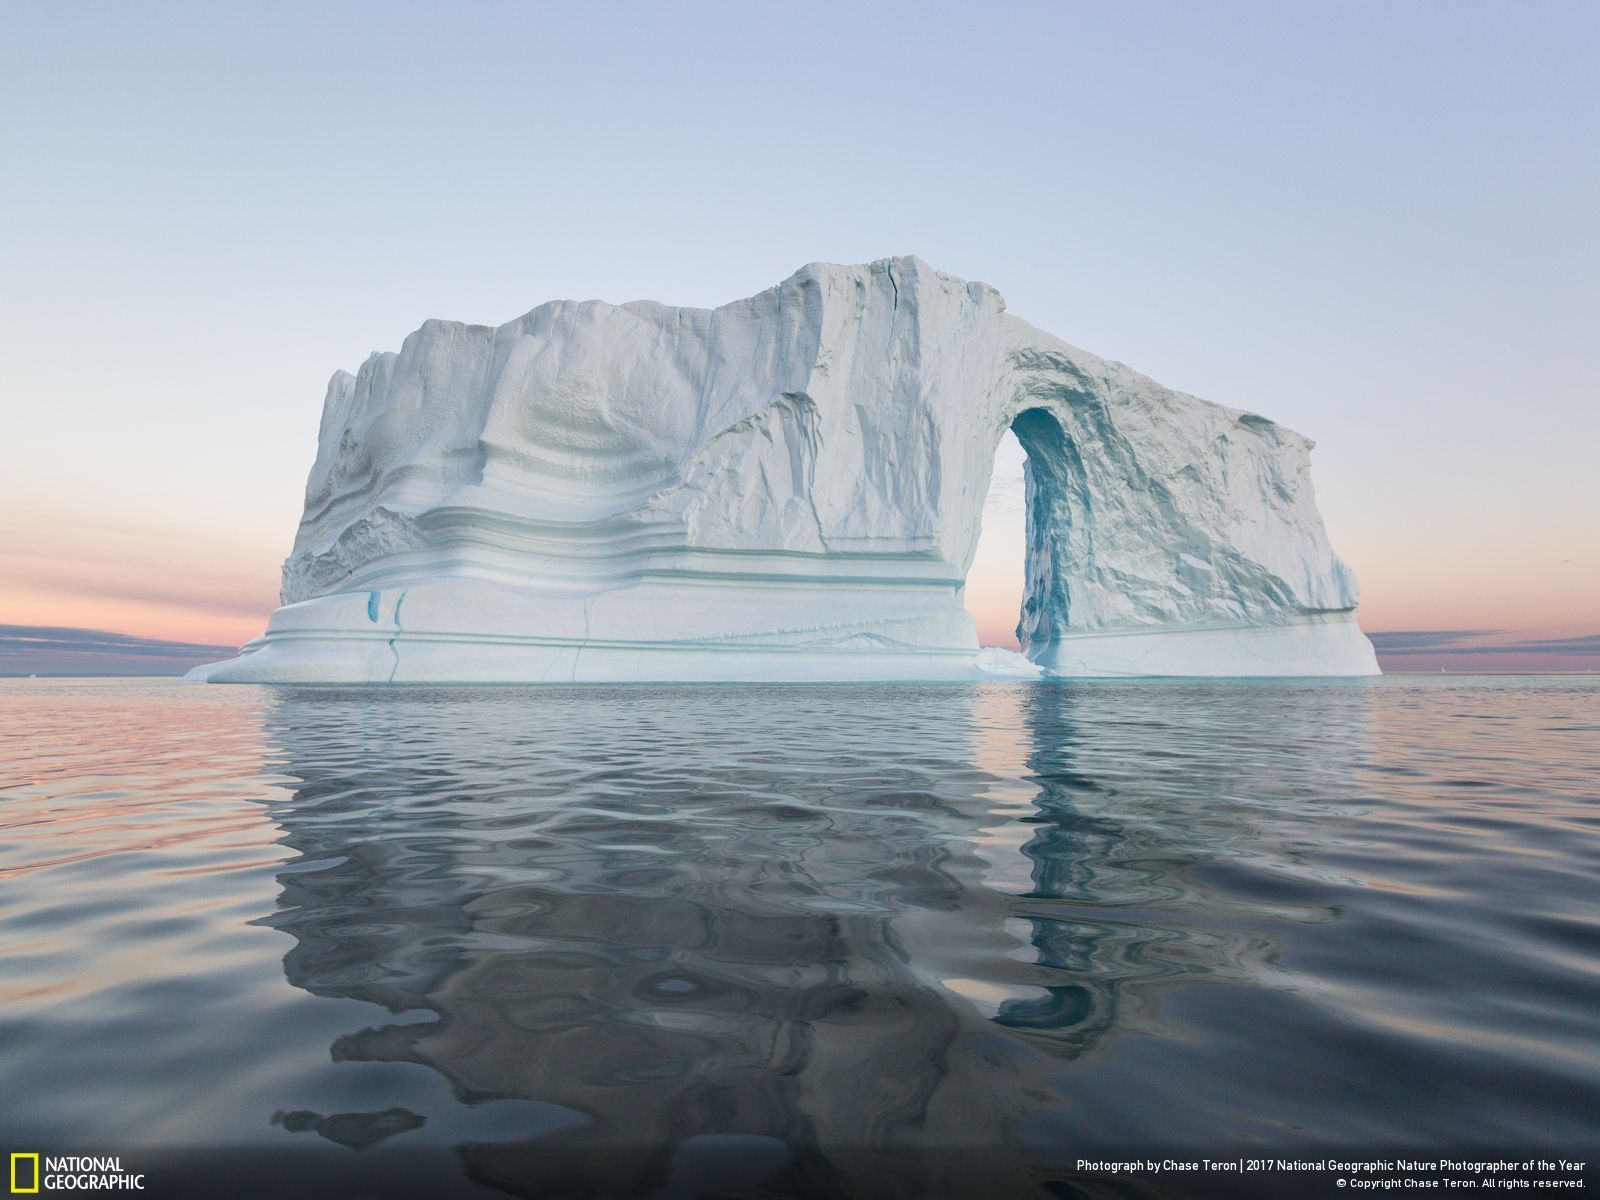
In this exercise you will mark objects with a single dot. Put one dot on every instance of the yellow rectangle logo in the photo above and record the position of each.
(22, 1191)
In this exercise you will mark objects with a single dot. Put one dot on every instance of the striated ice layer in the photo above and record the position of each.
(789, 487)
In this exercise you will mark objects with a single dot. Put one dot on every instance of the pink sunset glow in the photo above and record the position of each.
(190, 578)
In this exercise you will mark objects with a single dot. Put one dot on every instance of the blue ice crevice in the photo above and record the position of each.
(398, 629)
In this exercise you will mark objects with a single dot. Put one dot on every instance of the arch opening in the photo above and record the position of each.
(1017, 589)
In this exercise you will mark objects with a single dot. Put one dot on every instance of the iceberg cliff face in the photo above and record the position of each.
(789, 487)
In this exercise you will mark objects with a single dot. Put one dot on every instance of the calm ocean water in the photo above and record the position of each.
(851, 940)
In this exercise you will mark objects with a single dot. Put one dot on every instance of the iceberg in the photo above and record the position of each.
(789, 487)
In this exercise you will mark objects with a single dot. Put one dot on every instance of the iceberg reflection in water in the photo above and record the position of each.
(815, 939)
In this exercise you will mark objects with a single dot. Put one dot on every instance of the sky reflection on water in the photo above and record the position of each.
(848, 939)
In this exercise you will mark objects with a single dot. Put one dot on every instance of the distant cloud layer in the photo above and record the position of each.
(1416, 641)
(59, 650)
(1448, 641)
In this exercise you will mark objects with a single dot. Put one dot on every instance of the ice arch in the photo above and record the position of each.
(788, 487)
(1034, 529)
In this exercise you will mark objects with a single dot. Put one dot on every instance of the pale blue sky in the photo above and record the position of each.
(1373, 222)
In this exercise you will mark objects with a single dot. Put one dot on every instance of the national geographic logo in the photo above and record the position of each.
(27, 1180)
(70, 1173)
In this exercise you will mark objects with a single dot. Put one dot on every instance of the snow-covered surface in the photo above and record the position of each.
(789, 487)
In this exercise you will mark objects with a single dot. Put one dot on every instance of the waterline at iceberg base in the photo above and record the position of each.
(789, 488)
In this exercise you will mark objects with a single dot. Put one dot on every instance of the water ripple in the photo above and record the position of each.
(830, 934)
